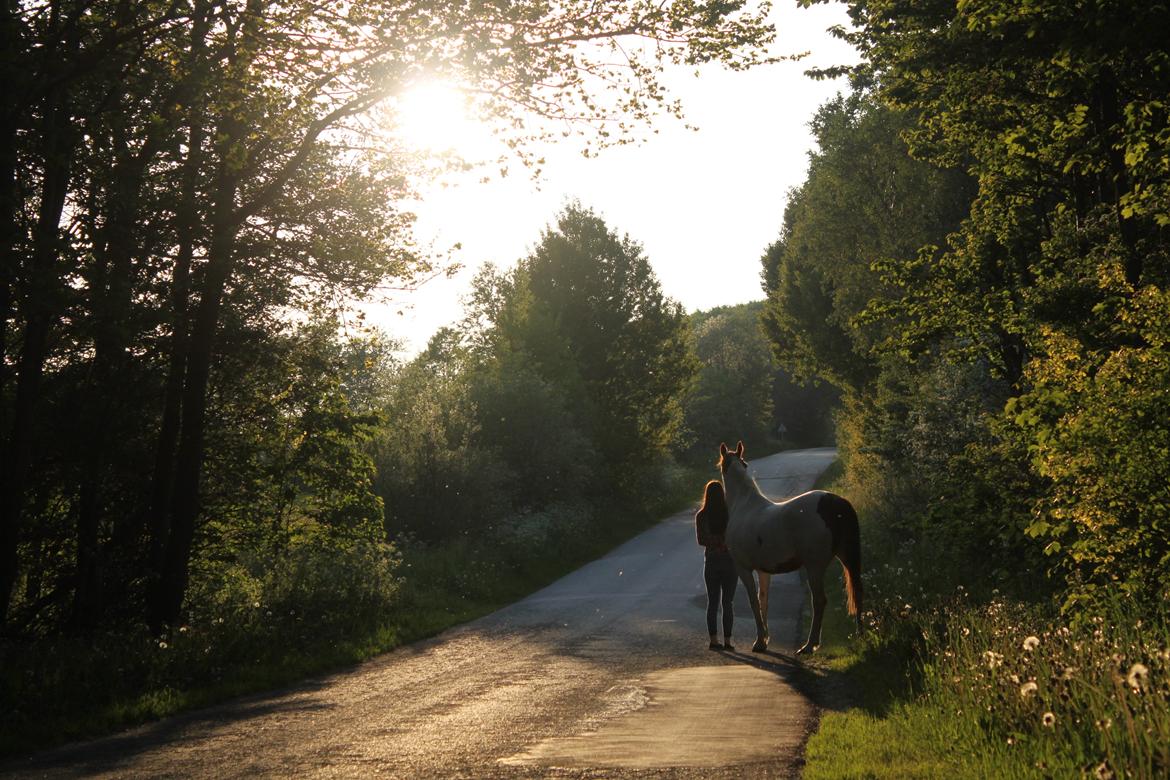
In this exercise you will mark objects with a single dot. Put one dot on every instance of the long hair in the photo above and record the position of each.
(713, 512)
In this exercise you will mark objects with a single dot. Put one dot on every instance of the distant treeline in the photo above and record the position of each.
(979, 260)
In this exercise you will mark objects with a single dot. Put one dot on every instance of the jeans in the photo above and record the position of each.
(720, 577)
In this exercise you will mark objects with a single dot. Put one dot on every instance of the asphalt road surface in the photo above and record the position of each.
(605, 673)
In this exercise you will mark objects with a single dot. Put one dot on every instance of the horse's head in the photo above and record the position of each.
(729, 458)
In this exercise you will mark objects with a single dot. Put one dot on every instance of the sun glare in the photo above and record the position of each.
(434, 118)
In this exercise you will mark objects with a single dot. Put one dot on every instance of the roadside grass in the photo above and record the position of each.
(947, 683)
(67, 688)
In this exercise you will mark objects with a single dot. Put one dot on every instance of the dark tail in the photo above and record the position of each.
(839, 515)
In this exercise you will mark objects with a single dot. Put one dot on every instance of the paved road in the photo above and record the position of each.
(606, 672)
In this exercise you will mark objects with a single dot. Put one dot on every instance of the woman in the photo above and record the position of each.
(718, 568)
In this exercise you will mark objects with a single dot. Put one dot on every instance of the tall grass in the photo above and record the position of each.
(960, 677)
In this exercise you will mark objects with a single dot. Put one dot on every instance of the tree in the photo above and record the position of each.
(732, 398)
(1055, 281)
(233, 164)
(596, 323)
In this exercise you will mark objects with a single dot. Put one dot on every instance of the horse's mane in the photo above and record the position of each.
(714, 509)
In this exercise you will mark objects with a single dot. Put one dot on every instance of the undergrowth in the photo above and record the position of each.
(961, 681)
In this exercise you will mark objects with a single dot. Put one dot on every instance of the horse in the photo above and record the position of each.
(806, 531)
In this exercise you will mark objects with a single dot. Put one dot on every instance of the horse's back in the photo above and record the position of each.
(789, 534)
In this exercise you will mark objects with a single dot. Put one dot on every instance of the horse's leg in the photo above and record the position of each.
(765, 582)
(816, 585)
(749, 584)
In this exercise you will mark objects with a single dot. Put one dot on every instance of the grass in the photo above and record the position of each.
(71, 687)
(948, 684)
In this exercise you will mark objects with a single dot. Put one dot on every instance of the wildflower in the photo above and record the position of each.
(1068, 673)
(966, 631)
(1031, 643)
(256, 604)
(1028, 689)
(1103, 772)
(1048, 719)
(1138, 676)
(1104, 723)
(1014, 678)
(182, 629)
(162, 645)
(993, 659)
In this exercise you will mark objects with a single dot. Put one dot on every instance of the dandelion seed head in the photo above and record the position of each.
(1048, 719)
(1029, 689)
(993, 659)
(1138, 676)
(966, 631)
(162, 645)
(1031, 643)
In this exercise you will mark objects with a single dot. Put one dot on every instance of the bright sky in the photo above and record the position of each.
(704, 205)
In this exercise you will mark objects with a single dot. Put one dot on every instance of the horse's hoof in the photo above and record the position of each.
(807, 649)
(760, 646)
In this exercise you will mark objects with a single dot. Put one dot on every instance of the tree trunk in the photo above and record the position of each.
(171, 585)
(40, 303)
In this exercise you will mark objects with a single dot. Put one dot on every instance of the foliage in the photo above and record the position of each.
(957, 675)
(732, 399)
(175, 180)
(740, 393)
(586, 313)
(1038, 288)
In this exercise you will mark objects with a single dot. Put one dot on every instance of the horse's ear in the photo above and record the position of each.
(739, 449)
(722, 449)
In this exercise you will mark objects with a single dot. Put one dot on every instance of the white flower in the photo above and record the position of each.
(966, 631)
(1138, 676)
(162, 645)
(1031, 643)
(1103, 772)
(1048, 719)
(993, 659)
(1029, 688)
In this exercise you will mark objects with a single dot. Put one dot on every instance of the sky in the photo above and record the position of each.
(703, 204)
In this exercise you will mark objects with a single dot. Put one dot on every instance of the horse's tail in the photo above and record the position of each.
(841, 518)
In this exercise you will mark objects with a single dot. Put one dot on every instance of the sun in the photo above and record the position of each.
(434, 118)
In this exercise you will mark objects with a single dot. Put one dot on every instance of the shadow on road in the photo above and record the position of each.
(823, 687)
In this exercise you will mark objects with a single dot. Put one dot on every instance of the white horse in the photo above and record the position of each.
(808, 530)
